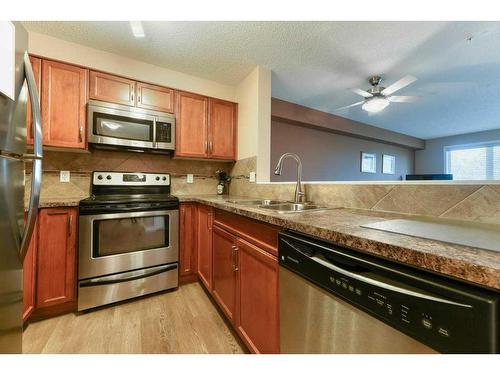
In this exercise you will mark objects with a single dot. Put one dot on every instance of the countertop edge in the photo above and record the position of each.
(450, 267)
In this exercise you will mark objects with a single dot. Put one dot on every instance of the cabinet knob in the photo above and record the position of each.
(80, 134)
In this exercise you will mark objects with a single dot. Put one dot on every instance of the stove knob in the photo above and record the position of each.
(99, 177)
(164, 178)
(157, 178)
(108, 177)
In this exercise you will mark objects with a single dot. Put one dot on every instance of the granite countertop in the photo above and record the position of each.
(46, 202)
(343, 226)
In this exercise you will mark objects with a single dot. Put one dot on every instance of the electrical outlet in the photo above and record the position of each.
(64, 176)
(252, 177)
(189, 179)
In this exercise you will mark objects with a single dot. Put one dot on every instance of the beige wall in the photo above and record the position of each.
(59, 49)
(254, 118)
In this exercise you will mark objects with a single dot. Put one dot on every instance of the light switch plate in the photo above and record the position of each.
(189, 179)
(252, 177)
(64, 176)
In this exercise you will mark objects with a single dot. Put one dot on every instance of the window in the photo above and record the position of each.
(480, 161)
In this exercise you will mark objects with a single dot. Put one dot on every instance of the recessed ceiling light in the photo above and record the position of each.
(137, 29)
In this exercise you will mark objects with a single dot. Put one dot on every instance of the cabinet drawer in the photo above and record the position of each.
(260, 234)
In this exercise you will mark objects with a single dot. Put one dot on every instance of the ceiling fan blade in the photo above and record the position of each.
(398, 85)
(363, 93)
(402, 99)
(351, 105)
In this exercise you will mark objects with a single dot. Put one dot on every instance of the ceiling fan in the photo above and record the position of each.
(377, 98)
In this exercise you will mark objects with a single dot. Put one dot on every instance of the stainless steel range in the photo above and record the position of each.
(129, 235)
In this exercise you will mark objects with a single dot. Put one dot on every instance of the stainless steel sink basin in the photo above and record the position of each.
(293, 207)
(255, 202)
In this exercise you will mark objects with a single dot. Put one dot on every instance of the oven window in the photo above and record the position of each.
(127, 235)
(122, 127)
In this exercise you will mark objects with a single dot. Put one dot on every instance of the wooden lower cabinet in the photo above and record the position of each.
(224, 268)
(29, 276)
(188, 239)
(204, 220)
(56, 261)
(258, 321)
(245, 276)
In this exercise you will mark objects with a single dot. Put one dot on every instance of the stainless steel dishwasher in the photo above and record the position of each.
(337, 300)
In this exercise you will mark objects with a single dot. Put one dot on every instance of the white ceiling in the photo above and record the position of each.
(315, 63)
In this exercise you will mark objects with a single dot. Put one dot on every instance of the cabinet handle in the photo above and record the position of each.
(70, 225)
(210, 147)
(234, 249)
(206, 147)
(80, 134)
(138, 98)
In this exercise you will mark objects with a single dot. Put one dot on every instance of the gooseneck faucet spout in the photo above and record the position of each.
(299, 193)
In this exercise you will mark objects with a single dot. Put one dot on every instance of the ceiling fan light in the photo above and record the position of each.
(376, 104)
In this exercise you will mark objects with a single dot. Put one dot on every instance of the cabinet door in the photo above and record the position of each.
(222, 130)
(56, 271)
(187, 256)
(155, 97)
(36, 63)
(191, 125)
(258, 321)
(224, 270)
(29, 276)
(204, 245)
(110, 88)
(64, 99)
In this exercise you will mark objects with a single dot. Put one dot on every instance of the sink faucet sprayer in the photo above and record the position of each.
(299, 193)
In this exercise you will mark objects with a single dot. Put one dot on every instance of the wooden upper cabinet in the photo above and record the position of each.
(225, 271)
(64, 99)
(56, 268)
(222, 129)
(191, 125)
(204, 221)
(188, 237)
(36, 64)
(110, 88)
(258, 322)
(155, 97)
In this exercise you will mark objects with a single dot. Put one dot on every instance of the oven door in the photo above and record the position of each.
(119, 242)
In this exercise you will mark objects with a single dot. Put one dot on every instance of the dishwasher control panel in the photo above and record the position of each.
(448, 317)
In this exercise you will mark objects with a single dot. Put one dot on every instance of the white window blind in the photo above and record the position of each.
(480, 161)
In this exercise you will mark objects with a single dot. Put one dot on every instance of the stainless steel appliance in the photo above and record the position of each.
(120, 126)
(336, 300)
(14, 234)
(129, 236)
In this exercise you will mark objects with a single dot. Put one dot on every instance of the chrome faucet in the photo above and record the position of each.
(299, 193)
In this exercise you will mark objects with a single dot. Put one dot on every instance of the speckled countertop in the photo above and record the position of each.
(343, 226)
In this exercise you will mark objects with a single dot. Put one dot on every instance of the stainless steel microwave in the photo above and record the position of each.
(120, 126)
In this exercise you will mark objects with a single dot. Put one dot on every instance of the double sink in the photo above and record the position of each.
(278, 206)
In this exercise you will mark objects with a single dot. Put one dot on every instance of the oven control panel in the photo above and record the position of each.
(131, 179)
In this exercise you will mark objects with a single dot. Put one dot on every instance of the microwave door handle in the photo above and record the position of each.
(36, 174)
(154, 132)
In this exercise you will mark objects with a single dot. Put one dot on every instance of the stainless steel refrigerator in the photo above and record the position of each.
(15, 232)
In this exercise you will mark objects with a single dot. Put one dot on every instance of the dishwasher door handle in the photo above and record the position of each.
(383, 285)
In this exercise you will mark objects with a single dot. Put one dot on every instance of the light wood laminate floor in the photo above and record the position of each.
(182, 321)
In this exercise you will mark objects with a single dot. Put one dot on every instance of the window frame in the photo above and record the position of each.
(467, 146)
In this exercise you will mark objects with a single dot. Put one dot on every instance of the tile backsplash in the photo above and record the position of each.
(479, 202)
(82, 164)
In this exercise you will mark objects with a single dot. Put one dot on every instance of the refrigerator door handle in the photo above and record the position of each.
(36, 175)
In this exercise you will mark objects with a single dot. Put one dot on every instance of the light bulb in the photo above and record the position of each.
(375, 104)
